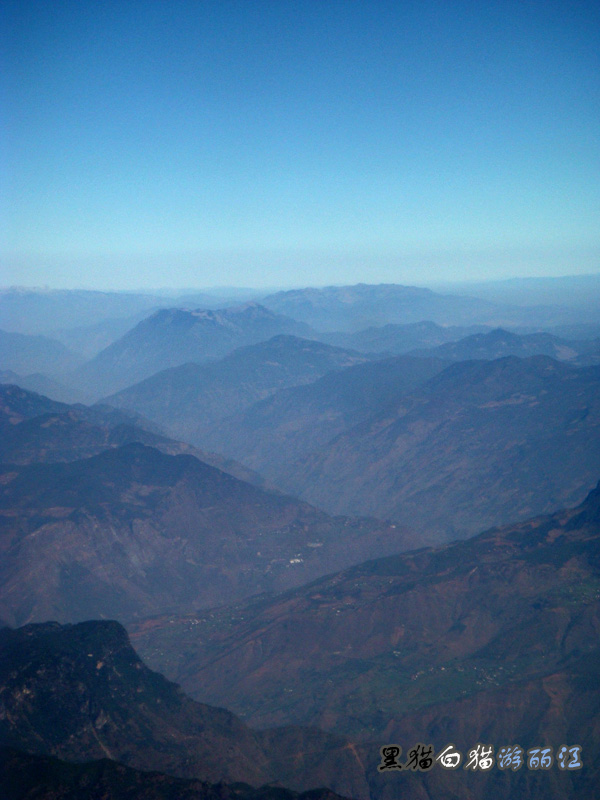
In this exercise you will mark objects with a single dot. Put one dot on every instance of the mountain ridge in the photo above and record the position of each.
(481, 443)
(133, 530)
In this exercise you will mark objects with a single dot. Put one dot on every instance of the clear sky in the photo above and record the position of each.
(285, 143)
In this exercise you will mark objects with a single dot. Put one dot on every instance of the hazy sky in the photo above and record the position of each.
(283, 143)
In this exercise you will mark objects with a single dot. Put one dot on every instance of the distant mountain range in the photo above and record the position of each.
(575, 291)
(171, 337)
(398, 339)
(353, 308)
(25, 354)
(29, 310)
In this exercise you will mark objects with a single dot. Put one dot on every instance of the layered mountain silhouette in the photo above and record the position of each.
(134, 531)
(34, 428)
(42, 384)
(273, 433)
(413, 415)
(492, 639)
(174, 336)
(481, 444)
(188, 400)
(39, 311)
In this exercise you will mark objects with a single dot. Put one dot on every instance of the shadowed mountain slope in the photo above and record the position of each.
(133, 531)
(80, 692)
(174, 336)
(18, 404)
(188, 400)
(46, 778)
(480, 444)
(274, 432)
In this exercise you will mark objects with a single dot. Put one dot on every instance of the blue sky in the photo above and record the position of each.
(286, 143)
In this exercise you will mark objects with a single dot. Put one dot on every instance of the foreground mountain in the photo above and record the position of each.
(500, 343)
(188, 400)
(134, 531)
(353, 308)
(481, 444)
(273, 433)
(80, 693)
(47, 778)
(489, 640)
(174, 336)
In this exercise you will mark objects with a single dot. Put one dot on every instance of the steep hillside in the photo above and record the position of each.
(481, 444)
(275, 432)
(134, 531)
(494, 639)
(80, 692)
